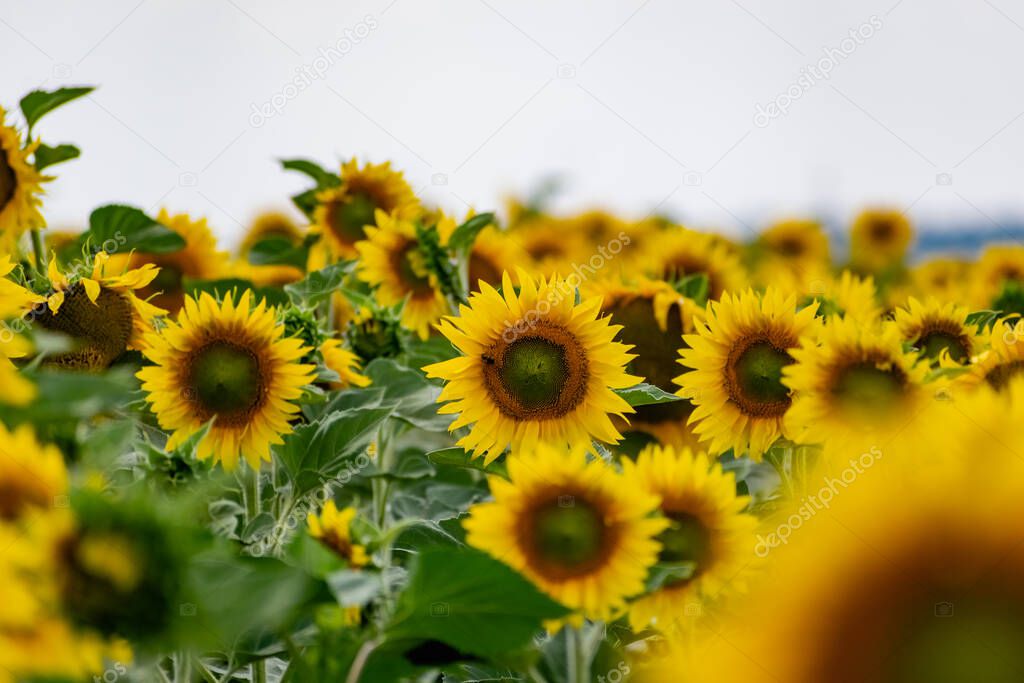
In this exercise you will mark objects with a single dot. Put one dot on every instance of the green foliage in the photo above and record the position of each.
(646, 394)
(38, 103)
(119, 229)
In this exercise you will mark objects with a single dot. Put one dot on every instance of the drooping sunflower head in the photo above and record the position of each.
(345, 363)
(333, 529)
(227, 363)
(271, 224)
(736, 361)
(1003, 357)
(799, 242)
(852, 382)
(999, 268)
(708, 529)
(536, 367)
(102, 314)
(581, 532)
(344, 212)
(938, 330)
(392, 260)
(678, 253)
(879, 238)
(20, 186)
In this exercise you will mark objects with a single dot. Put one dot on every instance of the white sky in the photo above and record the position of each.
(636, 104)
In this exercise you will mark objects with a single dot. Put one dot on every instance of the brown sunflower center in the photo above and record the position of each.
(482, 268)
(871, 386)
(408, 263)
(566, 536)
(16, 497)
(686, 540)
(753, 376)
(943, 336)
(8, 180)
(882, 230)
(226, 381)
(790, 247)
(1000, 376)
(348, 218)
(99, 331)
(540, 375)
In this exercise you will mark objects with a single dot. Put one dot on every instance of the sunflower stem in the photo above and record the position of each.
(578, 662)
(250, 481)
(37, 248)
(259, 671)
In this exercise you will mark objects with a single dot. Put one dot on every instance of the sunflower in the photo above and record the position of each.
(32, 475)
(20, 186)
(579, 531)
(228, 363)
(935, 330)
(553, 244)
(101, 313)
(391, 260)
(199, 259)
(799, 243)
(737, 359)
(267, 225)
(537, 368)
(344, 212)
(332, 528)
(879, 238)
(343, 362)
(1003, 358)
(708, 529)
(15, 302)
(265, 275)
(943, 278)
(853, 385)
(680, 252)
(999, 267)
(494, 253)
(848, 296)
(653, 317)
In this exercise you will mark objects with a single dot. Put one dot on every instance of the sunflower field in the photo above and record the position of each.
(385, 443)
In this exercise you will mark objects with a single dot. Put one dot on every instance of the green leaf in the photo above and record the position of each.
(38, 103)
(354, 588)
(65, 396)
(277, 250)
(318, 286)
(415, 394)
(320, 176)
(983, 319)
(471, 602)
(118, 228)
(46, 156)
(462, 239)
(459, 457)
(694, 287)
(663, 574)
(306, 201)
(646, 394)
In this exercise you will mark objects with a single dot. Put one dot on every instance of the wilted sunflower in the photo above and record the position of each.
(853, 385)
(934, 329)
(199, 259)
(708, 528)
(879, 238)
(653, 317)
(20, 186)
(344, 212)
(332, 528)
(102, 314)
(679, 252)
(392, 261)
(537, 368)
(581, 532)
(737, 358)
(343, 362)
(1000, 266)
(228, 363)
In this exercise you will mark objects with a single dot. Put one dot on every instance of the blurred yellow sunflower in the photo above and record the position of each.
(494, 253)
(708, 528)
(227, 363)
(680, 252)
(848, 296)
(15, 302)
(799, 243)
(581, 532)
(737, 359)
(270, 224)
(32, 475)
(998, 266)
(333, 529)
(20, 186)
(943, 278)
(879, 238)
(937, 329)
(391, 260)
(344, 212)
(536, 368)
(553, 244)
(345, 363)
(1002, 359)
(102, 313)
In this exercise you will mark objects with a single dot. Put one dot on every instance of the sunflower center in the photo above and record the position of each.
(349, 218)
(8, 181)
(999, 376)
(411, 267)
(882, 230)
(865, 387)
(169, 279)
(482, 268)
(538, 376)
(568, 535)
(933, 343)
(790, 247)
(686, 540)
(753, 376)
(99, 331)
(226, 379)
(16, 497)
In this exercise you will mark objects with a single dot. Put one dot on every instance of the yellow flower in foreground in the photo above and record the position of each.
(537, 368)
(333, 529)
(227, 363)
(20, 186)
(581, 532)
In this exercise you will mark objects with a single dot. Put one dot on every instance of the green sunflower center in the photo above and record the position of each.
(999, 376)
(535, 372)
(866, 387)
(568, 533)
(412, 270)
(759, 373)
(8, 181)
(226, 379)
(686, 540)
(99, 331)
(349, 219)
(932, 344)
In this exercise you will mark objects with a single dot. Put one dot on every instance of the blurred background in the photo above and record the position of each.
(728, 114)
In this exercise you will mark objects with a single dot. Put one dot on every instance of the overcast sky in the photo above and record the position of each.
(725, 114)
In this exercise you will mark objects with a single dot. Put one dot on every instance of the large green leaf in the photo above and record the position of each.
(277, 250)
(471, 602)
(38, 103)
(118, 228)
(66, 396)
(415, 394)
(646, 394)
(318, 286)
